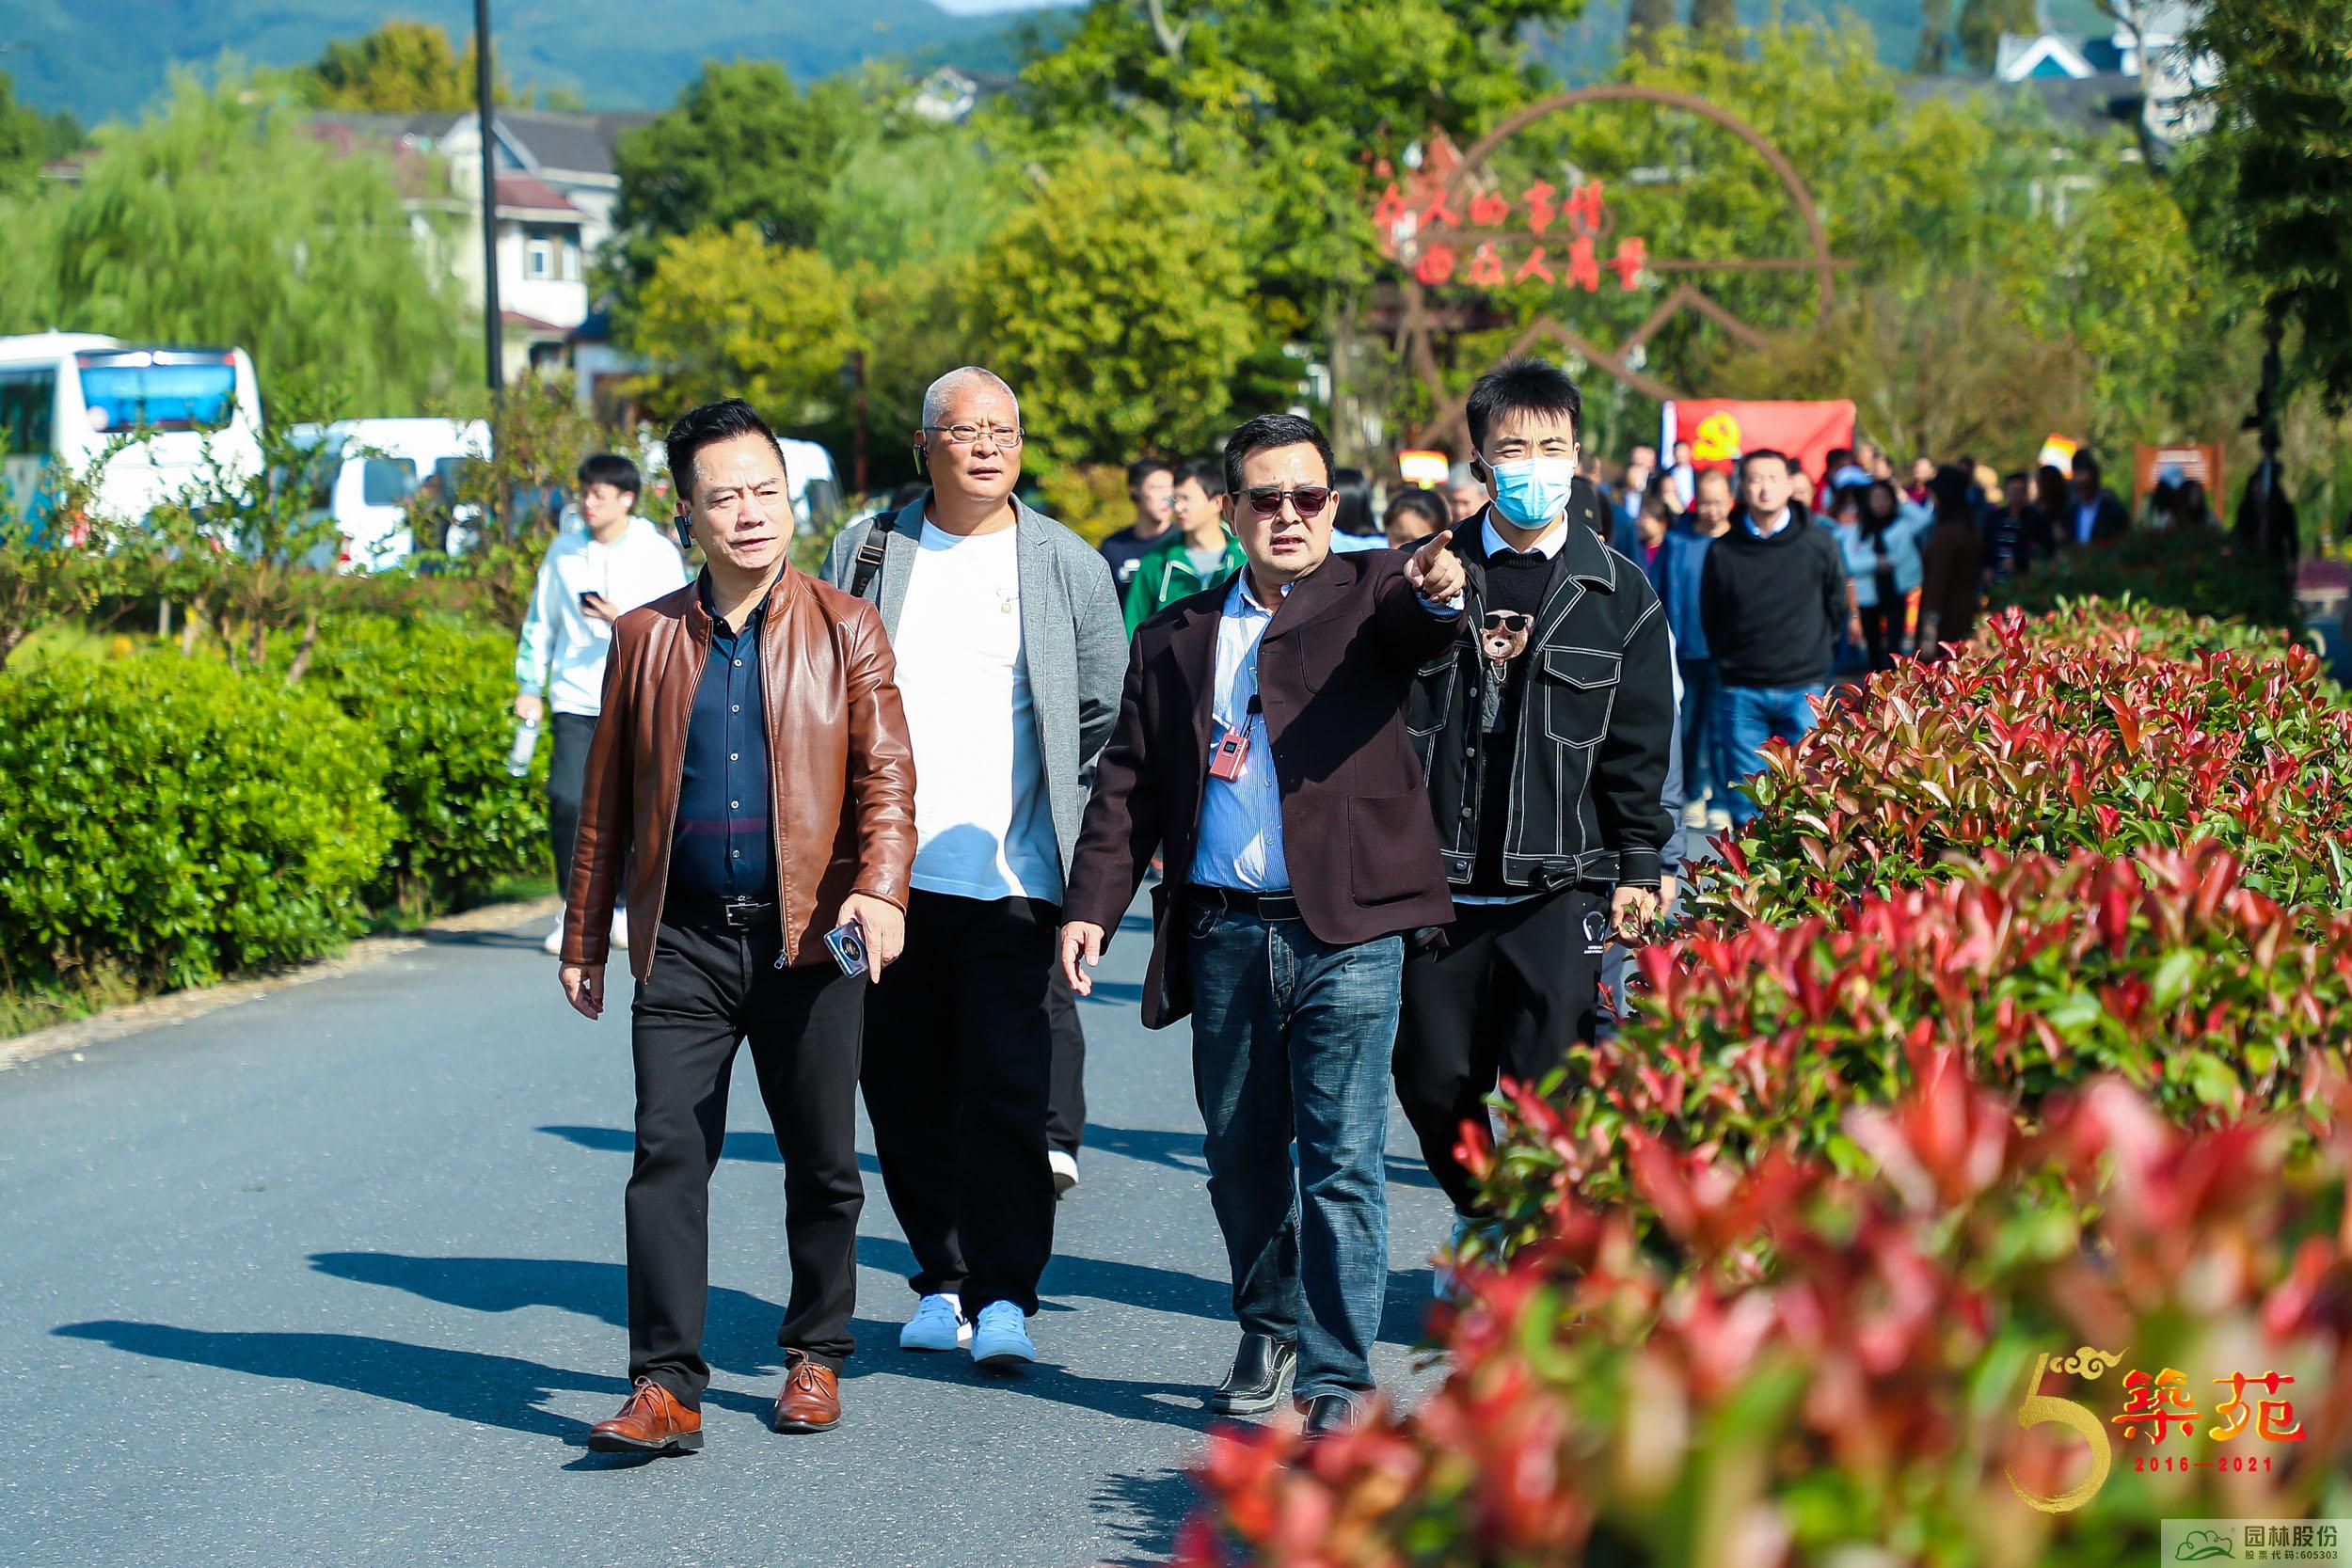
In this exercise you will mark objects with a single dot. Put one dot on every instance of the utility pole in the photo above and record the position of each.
(493, 330)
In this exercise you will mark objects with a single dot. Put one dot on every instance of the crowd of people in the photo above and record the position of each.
(1403, 775)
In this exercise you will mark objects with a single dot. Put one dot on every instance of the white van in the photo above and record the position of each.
(808, 477)
(64, 396)
(365, 474)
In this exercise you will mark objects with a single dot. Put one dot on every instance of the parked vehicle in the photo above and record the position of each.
(367, 473)
(66, 397)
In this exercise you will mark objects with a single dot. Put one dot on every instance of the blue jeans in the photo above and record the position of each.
(1747, 717)
(1702, 753)
(1290, 1040)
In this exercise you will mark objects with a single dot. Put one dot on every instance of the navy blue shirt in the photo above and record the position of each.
(723, 847)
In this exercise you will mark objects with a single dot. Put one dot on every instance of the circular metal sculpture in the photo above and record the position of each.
(1449, 227)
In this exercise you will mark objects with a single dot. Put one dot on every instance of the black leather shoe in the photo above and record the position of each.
(1328, 1414)
(1261, 1367)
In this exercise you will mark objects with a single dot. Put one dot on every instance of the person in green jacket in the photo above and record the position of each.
(1197, 553)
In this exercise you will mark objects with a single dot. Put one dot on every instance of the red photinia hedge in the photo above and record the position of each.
(2074, 740)
(2164, 968)
(1878, 1370)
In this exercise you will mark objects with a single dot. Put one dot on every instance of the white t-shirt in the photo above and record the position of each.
(984, 827)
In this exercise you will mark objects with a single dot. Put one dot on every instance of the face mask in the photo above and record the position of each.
(1531, 493)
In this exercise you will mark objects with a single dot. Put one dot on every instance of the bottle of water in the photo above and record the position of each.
(526, 743)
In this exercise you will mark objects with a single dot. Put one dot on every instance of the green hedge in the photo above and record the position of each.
(439, 695)
(176, 820)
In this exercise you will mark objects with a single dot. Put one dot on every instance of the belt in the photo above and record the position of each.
(732, 915)
(1263, 906)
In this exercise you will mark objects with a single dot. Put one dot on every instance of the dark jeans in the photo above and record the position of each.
(567, 775)
(710, 989)
(1882, 629)
(1066, 1114)
(1748, 715)
(1506, 988)
(1290, 1041)
(958, 1068)
(1702, 758)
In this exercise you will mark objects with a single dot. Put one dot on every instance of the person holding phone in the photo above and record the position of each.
(753, 779)
(604, 563)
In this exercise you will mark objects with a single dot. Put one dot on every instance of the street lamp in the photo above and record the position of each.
(493, 330)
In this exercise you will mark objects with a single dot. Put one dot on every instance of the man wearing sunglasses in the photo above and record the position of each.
(1009, 641)
(1260, 745)
(1545, 731)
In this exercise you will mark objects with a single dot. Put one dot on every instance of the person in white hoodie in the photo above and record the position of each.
(606, 561)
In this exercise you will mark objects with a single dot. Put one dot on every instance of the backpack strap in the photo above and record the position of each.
(870, 551)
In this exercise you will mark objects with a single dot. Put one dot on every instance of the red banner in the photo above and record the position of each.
(1721, 429)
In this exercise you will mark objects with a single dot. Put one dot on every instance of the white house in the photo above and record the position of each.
(556, 189)
(2144, 48)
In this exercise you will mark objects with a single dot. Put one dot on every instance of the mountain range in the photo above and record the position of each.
(103, 59)
(107, 59)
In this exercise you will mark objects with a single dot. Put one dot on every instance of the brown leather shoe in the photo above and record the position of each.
(811, 1400)
(652, 1422)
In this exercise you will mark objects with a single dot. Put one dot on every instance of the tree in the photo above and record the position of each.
(1284, 106)
(2271, 179)
(741, 146)
(727, 314)
(219, 220)
(1118, 306)
(1645, 20)
(401, 68)
(1983, 22)
(1719, 21)
(29, 139)
(1953, 368)
(1935, 37)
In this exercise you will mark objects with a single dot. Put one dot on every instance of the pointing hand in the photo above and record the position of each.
(1435, 571)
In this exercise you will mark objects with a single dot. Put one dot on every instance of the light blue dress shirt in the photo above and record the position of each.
(1241, 819)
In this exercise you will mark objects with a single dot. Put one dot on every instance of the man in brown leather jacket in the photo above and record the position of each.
(752, 772)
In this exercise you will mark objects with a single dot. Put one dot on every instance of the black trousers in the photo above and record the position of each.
(1882, 628)
(711, 988)
(567, 777)
(1506, 988)
(958, 1068)
(1065, 1111)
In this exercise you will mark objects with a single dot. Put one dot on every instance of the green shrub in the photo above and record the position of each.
(439, 694)
(2195, 570)
(178, 820)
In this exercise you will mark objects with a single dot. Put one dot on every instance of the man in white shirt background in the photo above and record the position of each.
(1010, 648)
(601, 567)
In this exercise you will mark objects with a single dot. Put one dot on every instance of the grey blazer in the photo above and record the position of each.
(1073, 637)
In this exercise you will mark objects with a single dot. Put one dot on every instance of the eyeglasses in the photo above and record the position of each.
(964, 435)
(1311, 499)
(1508, 620)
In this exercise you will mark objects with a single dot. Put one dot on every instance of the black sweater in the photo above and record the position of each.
(1771, 607)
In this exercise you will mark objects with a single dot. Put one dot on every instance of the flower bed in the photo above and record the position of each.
(1937, 1363)
(2166, 968)
(2054, 737)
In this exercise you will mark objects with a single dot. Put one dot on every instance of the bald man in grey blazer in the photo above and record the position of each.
(1010, 651)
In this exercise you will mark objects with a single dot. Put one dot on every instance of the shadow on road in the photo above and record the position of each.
(1182, 1151)
(466, 1385)
(1144, 1513)
(758, 1148)
(739, 1333)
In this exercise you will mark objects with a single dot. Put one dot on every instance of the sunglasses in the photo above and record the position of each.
(1508, 620)
(1311, 499)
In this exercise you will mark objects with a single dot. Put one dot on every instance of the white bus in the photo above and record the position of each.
(64, 396)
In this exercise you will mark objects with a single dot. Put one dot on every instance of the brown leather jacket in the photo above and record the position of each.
(842, 795)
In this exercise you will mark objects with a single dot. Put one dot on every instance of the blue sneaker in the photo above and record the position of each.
(938, 1325)
(1001, 1338)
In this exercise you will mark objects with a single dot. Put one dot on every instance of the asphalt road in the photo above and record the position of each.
(335, 1277)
